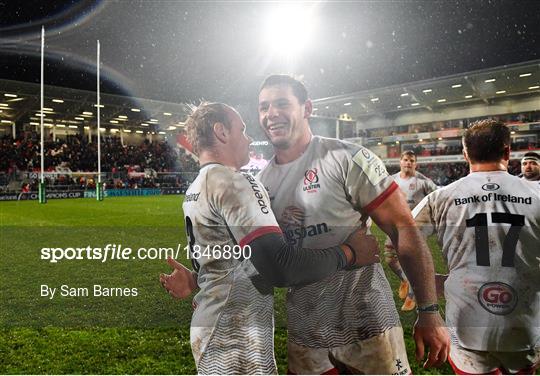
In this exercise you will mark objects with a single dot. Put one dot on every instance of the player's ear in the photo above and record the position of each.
(220, 132)
(308, 108)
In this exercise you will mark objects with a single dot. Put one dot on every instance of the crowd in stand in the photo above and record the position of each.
(126, 164)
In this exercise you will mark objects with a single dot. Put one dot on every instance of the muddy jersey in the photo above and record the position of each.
(226, 210)
(318, 200)
(415, 188)
(488, 224)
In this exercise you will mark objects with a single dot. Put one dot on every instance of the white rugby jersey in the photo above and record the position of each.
(415, 187)
(318, 200)
(227, 208)
(488, 224)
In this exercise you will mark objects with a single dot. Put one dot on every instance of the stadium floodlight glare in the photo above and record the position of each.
(135, 110)
(500, 92)
(534, 87)
(58, 101)
(10, 95)
(289, 28)
(525, 75)
(456, 86)
(490, 80)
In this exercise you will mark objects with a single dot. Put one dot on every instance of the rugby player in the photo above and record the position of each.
(530, 166)
(348, 322)
(415, 186)
(488, 224)
(239, 251)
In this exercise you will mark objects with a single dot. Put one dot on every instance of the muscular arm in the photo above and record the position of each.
(394, 218)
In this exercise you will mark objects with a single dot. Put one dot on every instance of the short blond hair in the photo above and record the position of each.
(200, 124)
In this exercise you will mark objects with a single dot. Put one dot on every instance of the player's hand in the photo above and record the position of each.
(180, 283)
(440, 279)
(364, 246)
(430, 334)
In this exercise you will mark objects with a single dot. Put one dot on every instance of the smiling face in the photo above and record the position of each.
(282, 117)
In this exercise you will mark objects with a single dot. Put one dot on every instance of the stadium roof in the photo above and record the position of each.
(20, 102)
(486, 85)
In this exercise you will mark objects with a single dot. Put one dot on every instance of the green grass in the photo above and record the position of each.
(147, 334)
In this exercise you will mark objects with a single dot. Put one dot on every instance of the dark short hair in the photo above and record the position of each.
(485, 140)
(200, 124)
(409, 153)
(298, 88)
(531, 154)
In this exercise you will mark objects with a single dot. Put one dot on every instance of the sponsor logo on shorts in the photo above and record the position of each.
(401, 369)
(311, 181)
(491, 187)
(497, 298)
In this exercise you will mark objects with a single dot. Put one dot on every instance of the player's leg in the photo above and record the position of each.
(382, 354)
(308, 361)
(405, 290)
(519, 363)
(471, 362)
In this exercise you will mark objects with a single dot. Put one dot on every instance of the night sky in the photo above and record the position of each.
(186, 51)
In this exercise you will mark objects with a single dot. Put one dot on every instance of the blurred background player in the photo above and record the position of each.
(415, 186)
(232, 326)
(488, 224)
(320, 188)
(530, 166)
